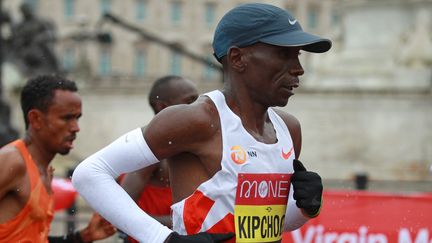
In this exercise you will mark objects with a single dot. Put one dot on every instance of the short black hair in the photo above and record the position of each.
(158, 90)
(38, 92)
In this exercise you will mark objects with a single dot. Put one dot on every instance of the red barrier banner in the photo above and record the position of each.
(64, 193)
(368, 217)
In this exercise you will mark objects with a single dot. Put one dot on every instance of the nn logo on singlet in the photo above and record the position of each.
(239, 155)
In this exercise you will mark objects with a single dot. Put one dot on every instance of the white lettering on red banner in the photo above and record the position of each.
(368, 217)
(318, 234)
(265, 189)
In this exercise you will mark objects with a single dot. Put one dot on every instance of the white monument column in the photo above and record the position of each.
(384, 45)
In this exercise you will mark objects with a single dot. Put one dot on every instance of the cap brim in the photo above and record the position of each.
(306, 41)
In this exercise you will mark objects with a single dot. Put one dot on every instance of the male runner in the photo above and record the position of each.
(150, 187)
(51, 108)
(233, 157)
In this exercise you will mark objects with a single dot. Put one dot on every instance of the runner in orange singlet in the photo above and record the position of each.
(51, 107)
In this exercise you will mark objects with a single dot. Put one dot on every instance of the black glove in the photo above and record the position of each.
(199, 238)
(307, 189)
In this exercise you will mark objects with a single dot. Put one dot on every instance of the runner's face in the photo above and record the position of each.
(273, 72)
(60, 124)
(184, 92)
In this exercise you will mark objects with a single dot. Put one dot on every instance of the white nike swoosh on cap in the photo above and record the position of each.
(292, 22)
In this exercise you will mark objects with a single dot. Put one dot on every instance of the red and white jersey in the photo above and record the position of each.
(249, 195)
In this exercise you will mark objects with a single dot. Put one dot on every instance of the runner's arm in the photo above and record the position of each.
(94, 178)
(163, 138)
(295, 217)
(12, 174)
(13, 169)
(134, 182)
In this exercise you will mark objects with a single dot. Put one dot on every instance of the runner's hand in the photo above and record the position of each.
(307, 189)
(202, 237)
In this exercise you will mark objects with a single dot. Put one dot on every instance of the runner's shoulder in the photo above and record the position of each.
(290, 120)
(13, 164)
(201, 114)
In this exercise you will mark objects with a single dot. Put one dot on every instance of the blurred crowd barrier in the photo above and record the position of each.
(368, 217)
(347, 216)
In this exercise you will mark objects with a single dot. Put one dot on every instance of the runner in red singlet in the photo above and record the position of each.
(150, 187)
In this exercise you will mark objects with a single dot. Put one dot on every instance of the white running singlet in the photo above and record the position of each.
(249, 195)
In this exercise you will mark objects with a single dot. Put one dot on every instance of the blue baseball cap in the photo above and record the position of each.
(250, 23)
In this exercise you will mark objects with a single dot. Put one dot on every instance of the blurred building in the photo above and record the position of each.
(365, 106)
(127, 56)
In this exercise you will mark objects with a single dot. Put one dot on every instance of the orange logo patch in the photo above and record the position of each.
(238, 155)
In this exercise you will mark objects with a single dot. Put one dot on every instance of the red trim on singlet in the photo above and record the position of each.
(195, 211)
(196, 208)
(226, 225)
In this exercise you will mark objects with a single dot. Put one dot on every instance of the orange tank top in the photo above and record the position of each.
(32, 223)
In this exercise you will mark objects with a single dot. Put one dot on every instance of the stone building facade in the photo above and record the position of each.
(365, 106)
